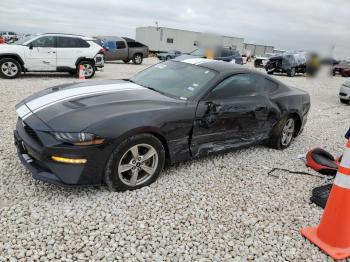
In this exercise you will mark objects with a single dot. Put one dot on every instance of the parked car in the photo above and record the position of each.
(123, 48)
(51, 53)
(343, 69)
(168, 55)
(2, 40)
(289, 63)
(221, 53)
(344, 93)
(261, 61)
(9, 36)
(122, 132)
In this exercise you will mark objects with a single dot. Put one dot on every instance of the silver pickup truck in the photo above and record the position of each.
(123, 48)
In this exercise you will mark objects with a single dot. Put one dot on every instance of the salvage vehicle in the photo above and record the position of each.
(51, 53)
(343, 69)
(344, 93)
(168, 55)
(261, 61)
(123, 48)
(226, 54)
(123, 132)
(289, 63)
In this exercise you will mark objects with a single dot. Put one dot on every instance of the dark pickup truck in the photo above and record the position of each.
(123, 48)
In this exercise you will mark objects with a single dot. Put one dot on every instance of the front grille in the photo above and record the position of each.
(342, 94)
(30, 132)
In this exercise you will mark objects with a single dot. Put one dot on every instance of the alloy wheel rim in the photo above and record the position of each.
(88, 70)
(138, 59)
(138, 164)
(9, 69)
(287, 132)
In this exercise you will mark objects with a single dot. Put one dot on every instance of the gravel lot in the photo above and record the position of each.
(219, 208)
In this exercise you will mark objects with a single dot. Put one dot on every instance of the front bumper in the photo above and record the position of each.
(99, 61)
(36, 155)
(344, 92)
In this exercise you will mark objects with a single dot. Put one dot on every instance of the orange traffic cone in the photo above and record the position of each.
(81, 72)
(333, 233)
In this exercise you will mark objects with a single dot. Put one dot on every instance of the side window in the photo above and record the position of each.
(270, 86)
(120, 44)
(237, 86)
(45, 41)
(71, 42)
(111, 45)
(226, 53)
(170, 40)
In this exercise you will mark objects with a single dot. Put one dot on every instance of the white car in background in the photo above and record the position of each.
(344, 93)
(51, 53)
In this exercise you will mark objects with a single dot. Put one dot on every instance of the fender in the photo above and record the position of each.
(82, 58)
(14, 56)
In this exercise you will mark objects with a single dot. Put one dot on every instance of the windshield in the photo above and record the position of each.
(198, 52)
(176, 79)
(23, 40)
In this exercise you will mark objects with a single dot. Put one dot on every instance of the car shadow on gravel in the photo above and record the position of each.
(48, 75)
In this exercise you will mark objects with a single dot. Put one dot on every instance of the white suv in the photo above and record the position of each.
(51, 53)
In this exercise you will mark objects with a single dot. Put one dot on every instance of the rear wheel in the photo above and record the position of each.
(283, 133)
(135, 163)
(9, 68)
(137, 59)
(344, 101)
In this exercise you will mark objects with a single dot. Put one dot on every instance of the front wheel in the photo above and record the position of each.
(88, 70)
(283, 133)
(135, 163)
(291, 72)
(137, 59)
(344, 101)
(9, 68)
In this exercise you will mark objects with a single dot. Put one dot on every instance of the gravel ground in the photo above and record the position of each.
(219, 208)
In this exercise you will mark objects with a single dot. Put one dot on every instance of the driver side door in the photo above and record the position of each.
(233, 114)
(40, 54)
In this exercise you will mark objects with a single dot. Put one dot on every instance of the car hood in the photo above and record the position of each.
(75, 107)
(10, 48)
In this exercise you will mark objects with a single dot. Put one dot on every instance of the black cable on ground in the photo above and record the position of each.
(293, 172)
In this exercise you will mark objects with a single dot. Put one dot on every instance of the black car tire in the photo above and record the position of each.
(88, 65)
(344, 101)
(112, 178)
(14, 64)
(137, 59)
(126, 61)
(275, 140)
(291, 72)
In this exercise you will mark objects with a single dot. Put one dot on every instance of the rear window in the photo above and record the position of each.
(135, 44)
(120, 44)
(71, 42)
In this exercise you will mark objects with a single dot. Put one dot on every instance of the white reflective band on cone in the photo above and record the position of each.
(345, 161)
(342, 180)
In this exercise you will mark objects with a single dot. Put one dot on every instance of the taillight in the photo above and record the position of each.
(102, 51)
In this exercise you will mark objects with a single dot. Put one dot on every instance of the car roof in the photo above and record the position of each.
(219, 66)
(69, 35)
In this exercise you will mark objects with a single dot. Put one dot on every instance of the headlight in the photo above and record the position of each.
(79, 139)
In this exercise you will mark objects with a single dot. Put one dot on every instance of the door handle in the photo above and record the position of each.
(53, 52)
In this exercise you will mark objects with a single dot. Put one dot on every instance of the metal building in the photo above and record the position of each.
(160, 39)
(258, 50)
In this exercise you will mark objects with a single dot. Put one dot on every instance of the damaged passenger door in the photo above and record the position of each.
(231, 115)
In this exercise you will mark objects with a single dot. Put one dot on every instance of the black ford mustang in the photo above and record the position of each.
(122, 132)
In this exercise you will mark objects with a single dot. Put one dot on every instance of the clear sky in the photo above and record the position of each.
(314, 25)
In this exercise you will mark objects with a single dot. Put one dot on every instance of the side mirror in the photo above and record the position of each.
(30, 46)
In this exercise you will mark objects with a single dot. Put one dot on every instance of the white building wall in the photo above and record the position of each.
(184, 41)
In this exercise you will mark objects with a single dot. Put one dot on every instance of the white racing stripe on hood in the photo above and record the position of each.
(197, 61)
(53, 98)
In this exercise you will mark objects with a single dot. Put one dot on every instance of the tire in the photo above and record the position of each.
(118, 180)
(89, 68)
(344, 101)
(167, 58)
(10, 68)
(291, 72)
(277, 138)
(137, 59)
(126, 61)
